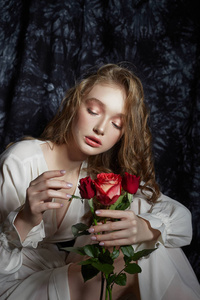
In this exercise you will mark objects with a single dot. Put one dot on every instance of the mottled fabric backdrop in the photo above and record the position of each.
(45, 46)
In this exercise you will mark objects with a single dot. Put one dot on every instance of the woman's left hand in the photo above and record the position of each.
(129, 230)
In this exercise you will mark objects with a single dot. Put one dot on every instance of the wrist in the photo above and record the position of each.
(150, 234)
(24, 224)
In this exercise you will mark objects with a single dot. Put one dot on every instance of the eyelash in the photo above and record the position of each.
(117, 126)
(91, 112)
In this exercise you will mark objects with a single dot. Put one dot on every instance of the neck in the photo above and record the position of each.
(67, 158)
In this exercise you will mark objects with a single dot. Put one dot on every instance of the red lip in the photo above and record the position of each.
(93, 141)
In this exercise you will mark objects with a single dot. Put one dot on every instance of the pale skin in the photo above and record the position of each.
(97, 128)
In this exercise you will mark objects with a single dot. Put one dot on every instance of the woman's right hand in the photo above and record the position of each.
(39, 197)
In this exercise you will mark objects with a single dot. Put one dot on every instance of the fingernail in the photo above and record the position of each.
(93, 238)
(69, 185)
(68, 195)
(101, 244)
(61, 205)
(97, 212)
(62, 171)
(91, 230)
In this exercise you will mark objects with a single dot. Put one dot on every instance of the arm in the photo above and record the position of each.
(20, 225)
(13, 181)
(172, 219)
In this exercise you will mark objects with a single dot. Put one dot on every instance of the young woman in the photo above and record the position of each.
(100, 127)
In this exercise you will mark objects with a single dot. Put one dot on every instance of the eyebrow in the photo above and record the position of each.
(102, 105)
(96, 100)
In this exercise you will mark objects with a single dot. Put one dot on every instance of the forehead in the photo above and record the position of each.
(108, 96)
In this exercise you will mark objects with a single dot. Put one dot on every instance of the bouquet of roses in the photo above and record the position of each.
(107, 191)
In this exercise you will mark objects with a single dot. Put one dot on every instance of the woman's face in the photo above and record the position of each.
(98, 125)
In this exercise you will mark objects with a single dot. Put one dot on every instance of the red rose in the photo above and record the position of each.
(86, 187)
(108, 188)
(130, 183)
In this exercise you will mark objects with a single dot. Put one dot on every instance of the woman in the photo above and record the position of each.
(100, 127)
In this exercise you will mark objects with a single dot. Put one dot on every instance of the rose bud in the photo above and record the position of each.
(86, 187)
(130, 183)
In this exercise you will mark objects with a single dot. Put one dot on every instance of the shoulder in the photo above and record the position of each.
(22, 151)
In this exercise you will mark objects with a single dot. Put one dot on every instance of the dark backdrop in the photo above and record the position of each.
(46, 45)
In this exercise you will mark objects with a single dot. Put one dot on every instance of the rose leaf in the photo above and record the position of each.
(80, 229)
(92, 250)
(133, 268)
(127, 251)
(142, 253)
(120, 279)
(88, 272)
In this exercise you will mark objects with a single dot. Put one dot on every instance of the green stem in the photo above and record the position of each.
(102, 286)
(108, 293)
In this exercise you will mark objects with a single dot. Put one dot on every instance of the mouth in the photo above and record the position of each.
(93, 141)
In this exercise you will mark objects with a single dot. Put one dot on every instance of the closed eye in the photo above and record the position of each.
(117, 126)
(91, 112)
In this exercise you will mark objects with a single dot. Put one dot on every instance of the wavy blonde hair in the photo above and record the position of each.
(133, 153)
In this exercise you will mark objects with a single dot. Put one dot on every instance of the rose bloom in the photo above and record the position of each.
(130, 183)
(86, 187)
(108, 188)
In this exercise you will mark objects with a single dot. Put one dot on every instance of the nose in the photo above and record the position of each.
(100, 126)
(98, 130)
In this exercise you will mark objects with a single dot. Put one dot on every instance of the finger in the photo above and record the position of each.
(115, 235)
(48, 175)
(115, 214)
(47, 206)
(115, 243)
(50, 184)
(48, 195)
(112, 226)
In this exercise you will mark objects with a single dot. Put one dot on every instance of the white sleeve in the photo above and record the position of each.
(12, 196)
(172, 219)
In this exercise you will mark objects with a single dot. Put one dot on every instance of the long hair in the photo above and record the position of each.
(133, 153)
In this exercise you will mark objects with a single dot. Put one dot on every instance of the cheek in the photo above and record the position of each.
(84, 120)
(114, 138)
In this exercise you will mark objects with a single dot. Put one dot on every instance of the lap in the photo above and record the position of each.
(91, 289)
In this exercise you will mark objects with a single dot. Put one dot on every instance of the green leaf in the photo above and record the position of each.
(76, 197)
(120, 279)
(88, 272)
(119, 200)
(78, 250)
(123, 202)
(126, 202)
(91, 204)
(123, 206)
(106, 257)
(92, 250)
(105, 268)
(115, 254)
(89, 261)
(133, 268)
(111, 279)
(142, 253)
(80, 229)
(130, 198)
(127, 259)
(127, 251)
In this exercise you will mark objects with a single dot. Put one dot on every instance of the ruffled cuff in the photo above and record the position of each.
(10, 237)
(34, 236)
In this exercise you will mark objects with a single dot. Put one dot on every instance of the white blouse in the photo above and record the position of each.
(25, 266)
